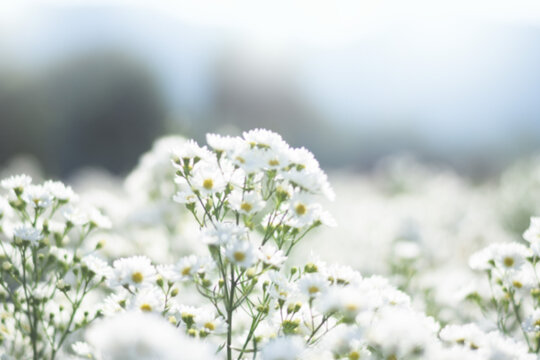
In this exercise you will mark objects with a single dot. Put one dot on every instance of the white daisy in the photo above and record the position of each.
(207, 179)
(241, 253)
(187, 266)
(247, 203)
(263, 138)
(272, 256)
(16, 183)
(136, 271)
(37, 196)
(60, 191)
(97, 267)
(27, 233)
(313, 285)
(224, 233)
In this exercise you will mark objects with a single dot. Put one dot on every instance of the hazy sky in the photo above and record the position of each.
(449, 70)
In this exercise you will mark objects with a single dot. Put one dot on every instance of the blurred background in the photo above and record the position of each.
(425, 114)
(94, 83)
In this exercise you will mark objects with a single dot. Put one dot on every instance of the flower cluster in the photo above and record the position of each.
(207, 260)
(44, 275)
(512, 271)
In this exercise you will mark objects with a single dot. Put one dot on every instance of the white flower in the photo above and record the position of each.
(97, 266)
(342, 274)
(303, 159)
(141, 336)
(532, 235)
(75, 215)
(16, 182)
(276, 158)
(251, 160)
(27, 233)
(505, 256)
(283, 348)
(280, 288)
(150, 299)
(188, 152)
(185, 194)
(313, 285)
(270, 255)
(207, 321)
(401, 333)
(346, 341)
(224, 233)
(482, 260)
(263, 138)
(348, 301)
(37, 196)
(205, 264)
(307, 174)
(136, 271)
(116, 303)
(82, 349)
(468, 335)
(187, 266)
(241, 253)
(227, 144)
(98, 220)
(247, 203)
(499, 346)
(43, 291)
(207, 179)
(62, 255)
(510, 256)
(304, 211)
(522, 280)
(60, 191)
(168, 273)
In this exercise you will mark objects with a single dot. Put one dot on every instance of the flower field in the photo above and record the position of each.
(244, 248)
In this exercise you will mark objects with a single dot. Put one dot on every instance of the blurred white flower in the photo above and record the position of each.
(28, 233)
(140, 336)
(283, 348)
(16, 182)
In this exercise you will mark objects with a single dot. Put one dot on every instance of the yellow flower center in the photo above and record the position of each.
(210, 326)
(239, 256)
(137, 277)
(354, 355)
(208, 184)
(313, 289)
(246, 207)
(300, 209)
(273, 162)
(517, 284)
(146, 307)
(508, 261)
(351, 307)
(537, 322)
(186, 270)
(241, 160)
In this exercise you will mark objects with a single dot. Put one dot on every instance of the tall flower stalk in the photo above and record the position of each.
(255, 198)
(44, 280)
